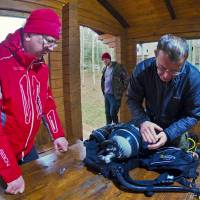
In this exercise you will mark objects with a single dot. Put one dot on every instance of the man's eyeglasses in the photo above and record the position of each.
(172, 72)
(49, 42)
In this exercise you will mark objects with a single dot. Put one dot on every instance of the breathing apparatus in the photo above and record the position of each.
(114, 150)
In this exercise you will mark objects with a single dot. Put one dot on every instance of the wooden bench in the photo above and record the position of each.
(64, 177)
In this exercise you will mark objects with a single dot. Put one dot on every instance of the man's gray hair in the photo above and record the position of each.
(175, 47)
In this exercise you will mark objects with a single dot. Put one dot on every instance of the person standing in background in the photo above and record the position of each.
(114, 82)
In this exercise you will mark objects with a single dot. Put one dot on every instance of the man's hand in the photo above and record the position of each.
(16, 186)
(148, 131)
(162, 139)
(61, 144)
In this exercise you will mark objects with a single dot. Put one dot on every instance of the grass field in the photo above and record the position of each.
(92, 101)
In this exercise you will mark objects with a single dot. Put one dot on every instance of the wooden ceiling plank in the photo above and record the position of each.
(44, 3)
(170, 9)
(114, 13)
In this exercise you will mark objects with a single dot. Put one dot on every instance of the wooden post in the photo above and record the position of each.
(71, 71)
(128, 59)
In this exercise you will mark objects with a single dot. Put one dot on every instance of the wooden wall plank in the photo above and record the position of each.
(56, 74)
(57, 92)
(56, 64)
(44, 3)
(59, 103)
(62, 1)
(56, 56)
(57, 83)
(22, 6)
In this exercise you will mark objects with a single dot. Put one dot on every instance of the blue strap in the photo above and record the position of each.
(3, 119)
(46, 124)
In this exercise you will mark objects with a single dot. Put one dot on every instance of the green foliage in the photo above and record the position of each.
(92, 49)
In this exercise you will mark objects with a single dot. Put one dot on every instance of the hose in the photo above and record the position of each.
(149, 190)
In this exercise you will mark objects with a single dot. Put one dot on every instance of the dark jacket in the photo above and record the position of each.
(119, 80)
(175, 106)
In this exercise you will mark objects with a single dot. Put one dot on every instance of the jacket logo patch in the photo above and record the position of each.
(52, 121)
(176, 97)
(4, 158)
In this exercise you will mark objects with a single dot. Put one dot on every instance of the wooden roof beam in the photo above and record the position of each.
(170, 9)
(114, 13)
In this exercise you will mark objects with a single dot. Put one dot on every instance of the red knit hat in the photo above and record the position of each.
(105, 56)
(43, 21)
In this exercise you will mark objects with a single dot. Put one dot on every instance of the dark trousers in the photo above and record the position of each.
(32, 155)
(112, 106)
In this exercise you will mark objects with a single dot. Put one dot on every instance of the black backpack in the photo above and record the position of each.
(172, 160)
(173, 164)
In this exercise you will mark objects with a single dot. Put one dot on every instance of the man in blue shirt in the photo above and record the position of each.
(164, 95)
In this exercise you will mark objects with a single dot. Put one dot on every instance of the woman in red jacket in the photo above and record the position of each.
(25, 97)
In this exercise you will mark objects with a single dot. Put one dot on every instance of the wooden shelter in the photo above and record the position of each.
(129, 21)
